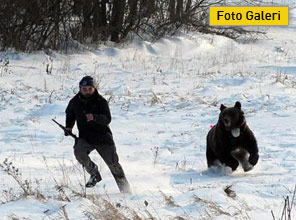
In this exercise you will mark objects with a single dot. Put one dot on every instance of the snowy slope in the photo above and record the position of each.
(163, 97)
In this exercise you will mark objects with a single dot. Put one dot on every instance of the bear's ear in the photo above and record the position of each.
(238, 105)
(222, 107)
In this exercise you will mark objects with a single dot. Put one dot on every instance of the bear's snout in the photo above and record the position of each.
(227, 122)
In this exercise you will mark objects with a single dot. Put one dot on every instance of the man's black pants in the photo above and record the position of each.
(108, 152)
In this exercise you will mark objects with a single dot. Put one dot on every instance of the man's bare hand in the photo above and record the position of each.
(89, 117)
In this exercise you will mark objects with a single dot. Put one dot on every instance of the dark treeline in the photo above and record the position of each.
(27, 25)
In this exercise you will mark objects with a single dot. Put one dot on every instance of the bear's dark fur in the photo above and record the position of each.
(231, 141)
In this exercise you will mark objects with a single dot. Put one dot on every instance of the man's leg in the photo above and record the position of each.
(81, 152)
(109, 155)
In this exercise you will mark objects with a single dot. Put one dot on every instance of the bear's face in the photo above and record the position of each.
(232, 117)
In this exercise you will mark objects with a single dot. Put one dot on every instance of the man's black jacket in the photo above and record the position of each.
(94, 132)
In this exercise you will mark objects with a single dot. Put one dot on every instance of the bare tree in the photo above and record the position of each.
(116, 22)
(179, 10)
(172, 10)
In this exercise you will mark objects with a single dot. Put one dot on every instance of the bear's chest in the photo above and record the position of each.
(229, 143)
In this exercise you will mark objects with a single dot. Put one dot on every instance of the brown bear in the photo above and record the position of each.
(231, 142)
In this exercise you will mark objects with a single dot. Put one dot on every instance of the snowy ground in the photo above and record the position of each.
(163, 97)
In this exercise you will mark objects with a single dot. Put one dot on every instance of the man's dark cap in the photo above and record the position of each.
(87, 81)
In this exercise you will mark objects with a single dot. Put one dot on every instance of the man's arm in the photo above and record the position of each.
(70, 116)
(105, 117)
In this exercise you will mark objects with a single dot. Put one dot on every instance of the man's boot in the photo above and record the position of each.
(93, 180)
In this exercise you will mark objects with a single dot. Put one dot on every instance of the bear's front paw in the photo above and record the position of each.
(253, 159)
(247, 167)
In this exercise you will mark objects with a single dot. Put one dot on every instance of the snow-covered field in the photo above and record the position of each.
(163, 97)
